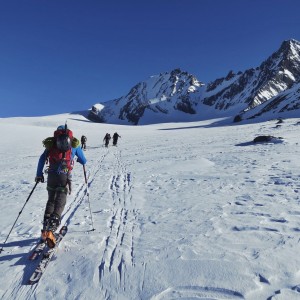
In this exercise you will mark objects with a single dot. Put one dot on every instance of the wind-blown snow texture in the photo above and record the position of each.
(181, 211)
(176, 96)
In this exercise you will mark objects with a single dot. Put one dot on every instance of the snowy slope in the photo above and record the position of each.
(181, 211)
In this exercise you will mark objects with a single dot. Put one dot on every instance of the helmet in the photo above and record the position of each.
(63, 142)
(61, 127)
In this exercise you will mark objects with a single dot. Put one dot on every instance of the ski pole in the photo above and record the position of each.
(19, 216)
(88, 196)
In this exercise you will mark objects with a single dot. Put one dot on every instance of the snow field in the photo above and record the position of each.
(181, 211)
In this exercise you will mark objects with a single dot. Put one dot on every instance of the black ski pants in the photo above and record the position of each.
(57, 194)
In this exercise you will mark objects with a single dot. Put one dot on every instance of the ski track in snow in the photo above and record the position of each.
(118, 252)
(172, 222)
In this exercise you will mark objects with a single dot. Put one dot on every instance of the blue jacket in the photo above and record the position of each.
(75, 152)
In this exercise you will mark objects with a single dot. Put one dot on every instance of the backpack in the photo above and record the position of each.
(60, 150)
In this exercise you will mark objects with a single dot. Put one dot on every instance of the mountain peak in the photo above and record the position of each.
(289, 48)
(291, 42)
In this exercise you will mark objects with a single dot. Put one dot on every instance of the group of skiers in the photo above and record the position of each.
(107, 138)
(60, 153)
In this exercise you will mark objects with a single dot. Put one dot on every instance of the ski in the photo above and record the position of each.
(46, 258)
(38, 250)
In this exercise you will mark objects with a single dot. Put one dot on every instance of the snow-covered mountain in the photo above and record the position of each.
(161, 94)
(272, 88)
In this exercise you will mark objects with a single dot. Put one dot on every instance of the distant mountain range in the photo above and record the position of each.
(269, 91)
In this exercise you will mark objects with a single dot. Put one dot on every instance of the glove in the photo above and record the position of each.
(40, 179)
(69, 185)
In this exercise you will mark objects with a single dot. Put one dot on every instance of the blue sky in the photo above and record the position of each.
(60, 56)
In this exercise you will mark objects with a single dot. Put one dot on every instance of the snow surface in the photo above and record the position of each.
(181, 211)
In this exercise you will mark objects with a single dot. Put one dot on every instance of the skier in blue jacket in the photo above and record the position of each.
(60, 152)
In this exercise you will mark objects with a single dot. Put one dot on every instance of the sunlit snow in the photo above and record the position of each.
(181, 211)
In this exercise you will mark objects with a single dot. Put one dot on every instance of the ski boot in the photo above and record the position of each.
(45, 227)
(48, 234)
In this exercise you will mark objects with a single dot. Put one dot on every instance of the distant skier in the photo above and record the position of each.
(60, 152)
(83, 142)
(115, 138)
(107, 139)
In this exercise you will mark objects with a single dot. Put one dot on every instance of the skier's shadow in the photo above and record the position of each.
(29, 266)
